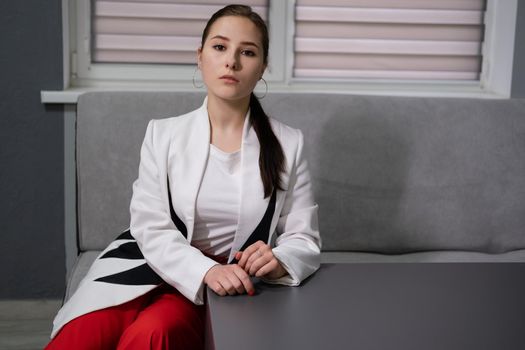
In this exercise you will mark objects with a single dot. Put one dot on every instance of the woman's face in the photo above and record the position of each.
(231, 59)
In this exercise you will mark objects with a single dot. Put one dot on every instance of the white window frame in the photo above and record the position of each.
(81, 75)
(88, 74)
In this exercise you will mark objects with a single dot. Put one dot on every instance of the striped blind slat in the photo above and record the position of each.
(387, 74)
(388, 31)
(410, 39)
(393, 62)
(376, 15)
(407, 4)
(149, 31)
(408, 47)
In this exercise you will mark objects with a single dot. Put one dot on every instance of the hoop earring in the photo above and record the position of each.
(265, 91)
(193, 80)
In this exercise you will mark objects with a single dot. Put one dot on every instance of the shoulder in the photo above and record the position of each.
(291, 140)
(287, 135)
(174, 122)
(174, 127)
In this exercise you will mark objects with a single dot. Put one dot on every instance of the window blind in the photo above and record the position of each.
(153, 31)
(386, 39)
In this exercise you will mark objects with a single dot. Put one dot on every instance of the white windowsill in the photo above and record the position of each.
(464, 90)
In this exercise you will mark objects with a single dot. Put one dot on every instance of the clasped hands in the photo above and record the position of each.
(256, 260)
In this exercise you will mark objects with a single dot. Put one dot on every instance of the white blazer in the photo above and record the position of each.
(157, 248)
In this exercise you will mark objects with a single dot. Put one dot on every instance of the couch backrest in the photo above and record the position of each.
(390, 174)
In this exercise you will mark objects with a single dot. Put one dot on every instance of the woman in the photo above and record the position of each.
(224, 183)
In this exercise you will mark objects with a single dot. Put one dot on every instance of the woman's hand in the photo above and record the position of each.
(258, 260)
(229, 280)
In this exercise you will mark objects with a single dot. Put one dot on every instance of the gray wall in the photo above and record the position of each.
(518, 73)
(31, 151)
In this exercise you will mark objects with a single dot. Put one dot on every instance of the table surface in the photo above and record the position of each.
(379, 306)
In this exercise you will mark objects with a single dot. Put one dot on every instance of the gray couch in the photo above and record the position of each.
(397, 179)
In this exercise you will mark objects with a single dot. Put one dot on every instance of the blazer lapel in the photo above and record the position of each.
(188, 169)
(253, 205)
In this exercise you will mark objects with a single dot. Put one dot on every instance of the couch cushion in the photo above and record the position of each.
(82, 265)
(391, 174)
(398, 175)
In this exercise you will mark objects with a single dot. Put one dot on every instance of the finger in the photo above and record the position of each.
(255, 246)
(266, 269)
(251, 259)
(260, 262)
(247, 253)
(217, 288)
(259, 253)
(238, 256)
(243, 256)
(238, 287)
(245, 280)
(228, 287)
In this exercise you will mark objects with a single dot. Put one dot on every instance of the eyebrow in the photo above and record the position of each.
(243, 42)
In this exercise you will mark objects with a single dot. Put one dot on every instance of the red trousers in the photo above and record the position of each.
(160, 319)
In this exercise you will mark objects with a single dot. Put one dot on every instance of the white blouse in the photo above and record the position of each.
(217, 205)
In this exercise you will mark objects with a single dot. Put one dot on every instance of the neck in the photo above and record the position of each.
(225, 114)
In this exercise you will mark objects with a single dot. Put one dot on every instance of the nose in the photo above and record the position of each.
(232, 62)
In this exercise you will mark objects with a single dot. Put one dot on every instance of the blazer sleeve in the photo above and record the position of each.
(298, 245)
(164, 247)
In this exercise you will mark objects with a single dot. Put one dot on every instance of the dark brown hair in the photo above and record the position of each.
(271, 156)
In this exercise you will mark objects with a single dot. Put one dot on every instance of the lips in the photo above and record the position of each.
(229, 78)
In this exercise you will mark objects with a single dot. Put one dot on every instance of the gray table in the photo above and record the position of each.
(379, 306)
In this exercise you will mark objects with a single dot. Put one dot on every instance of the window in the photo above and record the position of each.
(152, 31)
(447, 47)
(410, 39)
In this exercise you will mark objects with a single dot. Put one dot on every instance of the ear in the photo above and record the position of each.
(199, 55)
(263, 70)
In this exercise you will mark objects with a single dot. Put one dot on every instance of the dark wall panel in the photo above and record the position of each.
(31, 152)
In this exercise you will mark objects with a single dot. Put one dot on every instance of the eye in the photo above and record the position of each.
(248, 53)
(219, 47)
